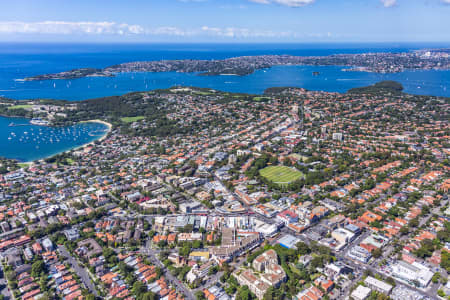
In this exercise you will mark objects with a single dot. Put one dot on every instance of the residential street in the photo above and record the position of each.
(169, 277)
(4, 285)
(81, 272)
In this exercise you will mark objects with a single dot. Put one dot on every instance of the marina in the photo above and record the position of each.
(26, 141)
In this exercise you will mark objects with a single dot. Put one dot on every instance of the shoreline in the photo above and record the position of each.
(103, 137)
(109, 125)
(242, 65)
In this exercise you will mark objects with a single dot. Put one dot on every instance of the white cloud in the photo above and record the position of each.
(294, 3)
(112, 28)
(290, 3)
(446, 1)
(390, 3)
(169, 31)
(62, 27)
(235, 32)
(229, 6)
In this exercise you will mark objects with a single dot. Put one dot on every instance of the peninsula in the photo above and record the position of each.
(437, 59)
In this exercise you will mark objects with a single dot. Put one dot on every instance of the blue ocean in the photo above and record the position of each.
(18, 61)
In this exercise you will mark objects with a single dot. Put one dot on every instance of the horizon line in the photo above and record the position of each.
(225, 42)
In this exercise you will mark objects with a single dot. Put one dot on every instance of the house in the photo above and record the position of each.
(72, 234)
(324, 283)
(48, 245)
(305, 260)
(37, 249)
(28, 253)
(312, 293)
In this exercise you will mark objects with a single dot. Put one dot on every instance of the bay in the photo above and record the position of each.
(25, 142)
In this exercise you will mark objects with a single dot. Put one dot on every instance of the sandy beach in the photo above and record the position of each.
(109, 125)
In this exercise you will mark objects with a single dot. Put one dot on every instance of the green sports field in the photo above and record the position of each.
(281, 174)
(23, 106)
(132, 119)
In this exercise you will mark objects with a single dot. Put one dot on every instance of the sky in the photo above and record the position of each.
(194, 21)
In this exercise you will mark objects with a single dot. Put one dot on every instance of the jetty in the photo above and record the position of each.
(12, 124)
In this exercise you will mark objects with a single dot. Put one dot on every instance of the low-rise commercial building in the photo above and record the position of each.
(378, 285)
(414, 273)
(361, 293)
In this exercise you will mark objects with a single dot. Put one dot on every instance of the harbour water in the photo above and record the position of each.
(25, 142)
(18, 61)
(330, 79)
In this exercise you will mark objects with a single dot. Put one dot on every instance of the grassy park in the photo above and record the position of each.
(23, 106)
(132, 119)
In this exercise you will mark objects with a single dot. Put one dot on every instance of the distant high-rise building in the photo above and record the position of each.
(338, 136)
